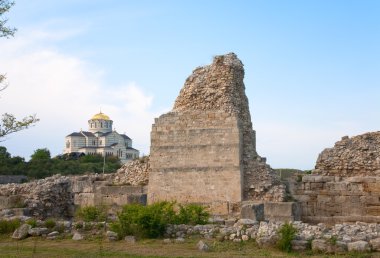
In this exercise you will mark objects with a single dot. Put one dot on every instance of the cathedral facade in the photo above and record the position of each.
(101, 139)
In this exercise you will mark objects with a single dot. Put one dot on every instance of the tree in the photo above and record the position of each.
(40, 154)
(8, 122)
(5, 31)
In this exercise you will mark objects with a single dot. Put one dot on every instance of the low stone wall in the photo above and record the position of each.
(333, 199)
(58, 196)
(13, 179)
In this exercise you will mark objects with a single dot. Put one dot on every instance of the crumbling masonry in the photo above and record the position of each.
(204, 150)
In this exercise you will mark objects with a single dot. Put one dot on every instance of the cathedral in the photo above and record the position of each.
(101, 139)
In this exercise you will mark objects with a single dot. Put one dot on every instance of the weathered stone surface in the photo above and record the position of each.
(299, 245)
(375, 244)
(38, 231)
(22, 232)
(111, 236)
(133, 173)
(282, 211)
(346, 199)
(53, 235)
(355, 156)
(49, 197)
(130, 239)
(253, 211)
(202, 246)
(359, 246)
(204, 150)
(77, 236)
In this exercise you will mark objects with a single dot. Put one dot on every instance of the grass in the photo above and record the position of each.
(38, 247)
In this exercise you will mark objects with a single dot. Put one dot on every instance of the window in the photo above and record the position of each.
(101, 124)
(68, 144)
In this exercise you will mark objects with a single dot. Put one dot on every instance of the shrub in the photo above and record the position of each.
(287, 233)
(92, 213)
(50, 223)
(192, 214)
(32, 222)
(145, 221)
(9, 226)
(151, 221)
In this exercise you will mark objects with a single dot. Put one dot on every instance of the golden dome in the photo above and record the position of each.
(100, 116)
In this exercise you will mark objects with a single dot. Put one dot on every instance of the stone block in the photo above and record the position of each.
(282, 211)
(253, 211)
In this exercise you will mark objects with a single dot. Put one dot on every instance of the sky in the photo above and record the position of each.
(311, 68)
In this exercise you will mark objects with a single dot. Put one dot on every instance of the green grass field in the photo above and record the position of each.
(38, 247)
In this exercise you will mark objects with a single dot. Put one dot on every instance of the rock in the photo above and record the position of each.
(53, 235)
(77, 236)
(319, 245)
(202, 246)
(244, 237)
(38, 231)
(133, 173)
(358, 246)
(22, 232)
(340, 247)
(229, 222)
(299, 245)
(216, 220)
(246, 222)
(167, 241)
(375, 244)
(112, 236)
(267, 241)
(130, 239)
(179, 240)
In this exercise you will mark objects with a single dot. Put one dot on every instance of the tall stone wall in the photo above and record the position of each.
(196, 158)
(204, 150)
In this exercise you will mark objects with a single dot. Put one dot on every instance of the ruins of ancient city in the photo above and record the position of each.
(204, 151)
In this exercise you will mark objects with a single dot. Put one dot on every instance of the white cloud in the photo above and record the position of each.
(64, 92)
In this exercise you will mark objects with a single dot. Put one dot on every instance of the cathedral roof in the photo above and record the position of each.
(100, 116)
(125, 136)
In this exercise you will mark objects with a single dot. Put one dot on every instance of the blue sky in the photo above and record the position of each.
(311, 67)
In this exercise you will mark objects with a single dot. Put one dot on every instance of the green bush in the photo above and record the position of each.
(9, 226)
(287, 233)
(50, 223)
(92, 213)
(192, 214)
(32, 222)
(151, 221)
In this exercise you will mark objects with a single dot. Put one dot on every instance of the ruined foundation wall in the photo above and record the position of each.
(331, 199)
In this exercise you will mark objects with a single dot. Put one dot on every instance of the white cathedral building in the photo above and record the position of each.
(101, 139)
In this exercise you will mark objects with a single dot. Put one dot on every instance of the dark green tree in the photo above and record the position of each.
(40, 155)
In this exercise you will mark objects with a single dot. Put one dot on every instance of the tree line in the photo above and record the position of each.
(42, 165)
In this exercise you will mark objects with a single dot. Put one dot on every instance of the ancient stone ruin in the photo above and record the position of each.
(345, 185)
(204, 150)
